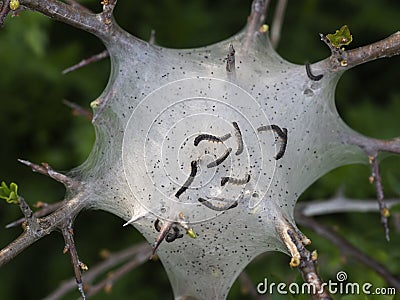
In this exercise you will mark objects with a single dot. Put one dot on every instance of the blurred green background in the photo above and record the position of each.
(36, 126)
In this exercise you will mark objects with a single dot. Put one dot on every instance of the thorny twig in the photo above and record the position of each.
(45, 209)
(372, 147)
(347, 248)
(343, 60)
(77, 265)
(87, 61)
(376, 178)
(111, 260)
(78, 110)
(341, 204)
(45, 169)
(47, 224)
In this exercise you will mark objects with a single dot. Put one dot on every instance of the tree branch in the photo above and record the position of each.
(47, 170)
(387, 47)
(142, 250)
(46, 225)
(77, 265)
(97, 24)
(372, 147)
(347, 248)
(255, 20)
(277, 22)
(340, 204)
(44, 210)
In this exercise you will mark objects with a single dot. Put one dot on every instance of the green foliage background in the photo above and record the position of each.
(36, 126)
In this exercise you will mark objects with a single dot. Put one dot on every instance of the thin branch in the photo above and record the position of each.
(387, 47)
(47, 170)
(77, 265)
(98, 24)
(32, 223)
(47, 224)
(78, 110)
(277, 22)
(4, 10)
(87, 61)
(255, 20)
(44, 211)
(347, 248)
(375, 175)
(341, 204)
(371, 145)
(112, 260)
(107, 283)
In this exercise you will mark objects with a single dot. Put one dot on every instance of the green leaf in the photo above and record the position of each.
(10, 194)
(341, 37)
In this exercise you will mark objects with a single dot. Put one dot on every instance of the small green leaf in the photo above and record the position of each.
(191, 233)
(341, 37)
(10, 194)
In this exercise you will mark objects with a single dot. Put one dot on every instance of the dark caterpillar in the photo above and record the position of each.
(217, 208)
(211, 138)
(221, 159)
(311, 75)
(236, 181)
(282, 134)
(190, 179)
(238, 135)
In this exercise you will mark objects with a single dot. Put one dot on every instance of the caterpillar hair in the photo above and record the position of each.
(238, 135)
(218, 208)
(211, 138)
(236, 181)
(282, 134)
(221, 159)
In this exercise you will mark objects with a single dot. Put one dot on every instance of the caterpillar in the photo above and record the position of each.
(236, 181)
(221, 159)
(282, 147)
(239, 139)
(189, 180)
(282, 134)
(211, 138)
(173, 236)
(157, 226)
(311, 75)
(217, 208)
